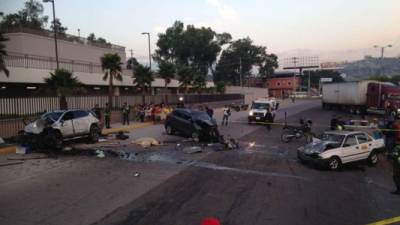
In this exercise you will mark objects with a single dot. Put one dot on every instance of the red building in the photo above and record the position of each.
(281, 84)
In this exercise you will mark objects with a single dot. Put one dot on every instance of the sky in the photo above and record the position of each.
(335, 30)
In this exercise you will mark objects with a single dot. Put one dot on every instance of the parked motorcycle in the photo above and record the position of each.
(298, 132)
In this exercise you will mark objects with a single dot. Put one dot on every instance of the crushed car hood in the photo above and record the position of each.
(317, 146)
(36, 127)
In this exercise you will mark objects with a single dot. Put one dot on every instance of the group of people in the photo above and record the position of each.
(141, 113)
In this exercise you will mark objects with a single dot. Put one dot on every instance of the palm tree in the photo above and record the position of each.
(143, 76)
(64, 84)
(2, 54)
(112, 66)
(167, 72)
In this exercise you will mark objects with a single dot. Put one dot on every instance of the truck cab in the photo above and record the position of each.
(259, 109)
(383, 98)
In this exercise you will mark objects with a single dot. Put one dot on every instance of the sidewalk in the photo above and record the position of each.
(117, 127)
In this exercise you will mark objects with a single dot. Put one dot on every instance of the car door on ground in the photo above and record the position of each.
(351, 149)
(80, 121)
(365, 143)
(67, 126)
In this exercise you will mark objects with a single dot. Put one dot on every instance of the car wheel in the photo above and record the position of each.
(169, 130)
(94, 134)
(55, 139)
(373, 158)
(334, 163)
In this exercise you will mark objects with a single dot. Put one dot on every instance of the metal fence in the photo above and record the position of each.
(14, 110)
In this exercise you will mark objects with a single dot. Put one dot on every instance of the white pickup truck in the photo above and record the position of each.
(259, 109)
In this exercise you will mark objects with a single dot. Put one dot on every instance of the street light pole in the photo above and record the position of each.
(55, 30)
(382, 54)
(240, 71)
(148, 37)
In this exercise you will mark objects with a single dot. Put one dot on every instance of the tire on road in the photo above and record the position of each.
(54, 139)
(94, 133)
(373, 158)
(334, 163)
(169, 130)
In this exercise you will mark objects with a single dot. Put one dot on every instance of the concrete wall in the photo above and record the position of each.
(32, 44)
(250, 93)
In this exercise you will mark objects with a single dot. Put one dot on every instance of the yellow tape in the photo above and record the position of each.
(386, 221)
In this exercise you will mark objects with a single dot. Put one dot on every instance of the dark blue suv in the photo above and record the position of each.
(194, 124)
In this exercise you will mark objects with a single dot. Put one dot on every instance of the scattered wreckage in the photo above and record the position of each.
(52, 128)
(336, 148)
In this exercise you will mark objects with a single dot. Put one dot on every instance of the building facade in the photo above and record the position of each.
(283, 84)
(31, 58)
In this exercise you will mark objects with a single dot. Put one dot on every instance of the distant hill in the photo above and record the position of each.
(369, 66)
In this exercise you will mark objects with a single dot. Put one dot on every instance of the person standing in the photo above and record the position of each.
(210, 112)
(226, 114)
(268, 119)
(107, 116)
(125, 114)
(97, 111)
(396, 170)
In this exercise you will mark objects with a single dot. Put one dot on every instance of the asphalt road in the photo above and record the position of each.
(263, 184)
(266, 185)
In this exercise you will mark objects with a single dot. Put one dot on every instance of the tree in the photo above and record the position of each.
(166, 71)
(199, 83)
(60, 29)
(143, 77)
(240, 58)
(112, 67)
(197, 48)
(131, 63)
(30, 16)
(91, 37)
(220, 87)
(3, 53)
(316, 75)
(185, 76)
(64, 84)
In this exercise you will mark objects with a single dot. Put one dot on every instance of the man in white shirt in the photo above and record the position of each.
(226, 114)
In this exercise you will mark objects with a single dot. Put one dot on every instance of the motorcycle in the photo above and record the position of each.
(297, 132)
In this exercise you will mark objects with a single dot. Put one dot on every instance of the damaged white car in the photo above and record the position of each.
(336, 148)
(52, 128)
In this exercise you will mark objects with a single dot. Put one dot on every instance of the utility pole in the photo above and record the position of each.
(294, 75)
(55, 30)
(131, 50)
(148, 37)
(240, 71)
(309, 84)
(382, 54)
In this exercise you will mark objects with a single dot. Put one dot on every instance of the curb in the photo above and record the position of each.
(126, 128)
(8, 149)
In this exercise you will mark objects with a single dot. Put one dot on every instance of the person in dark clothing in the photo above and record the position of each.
(97, 111)
(334, 123)
(210, 112)
(142, 113)
(390, 137)
(269, 119)
(396, 170)
(125, 113)
(107, 116)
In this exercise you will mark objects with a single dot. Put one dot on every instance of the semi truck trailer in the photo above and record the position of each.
(362, 96)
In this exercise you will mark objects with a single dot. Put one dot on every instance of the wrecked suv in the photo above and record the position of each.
(194, 124)
(52, 128)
